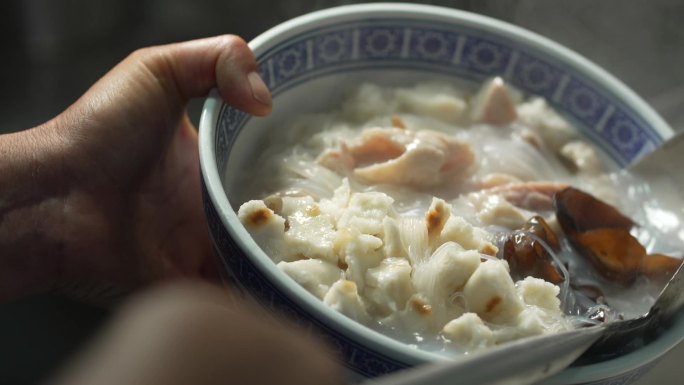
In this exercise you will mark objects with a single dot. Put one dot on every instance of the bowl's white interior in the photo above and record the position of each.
(321, 95)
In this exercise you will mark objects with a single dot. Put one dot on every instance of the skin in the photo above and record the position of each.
(193, 333)
(104, 200)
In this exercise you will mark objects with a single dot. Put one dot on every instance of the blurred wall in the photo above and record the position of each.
(54, 49)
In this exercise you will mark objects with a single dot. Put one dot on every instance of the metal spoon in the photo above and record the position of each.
(531, 360)
(524, 361)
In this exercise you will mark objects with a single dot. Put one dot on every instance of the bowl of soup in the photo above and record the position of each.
(434, 183)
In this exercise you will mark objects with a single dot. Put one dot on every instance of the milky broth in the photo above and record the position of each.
(376, 142)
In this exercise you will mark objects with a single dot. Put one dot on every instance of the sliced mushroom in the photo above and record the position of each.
(615, 253)
(578, 211)
(660, 267)
(527, 253)
(601, 234)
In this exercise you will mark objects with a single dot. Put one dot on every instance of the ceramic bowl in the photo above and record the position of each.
(307, 62)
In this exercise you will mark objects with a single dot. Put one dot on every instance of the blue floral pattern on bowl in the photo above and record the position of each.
(466, 53)
(463, 52)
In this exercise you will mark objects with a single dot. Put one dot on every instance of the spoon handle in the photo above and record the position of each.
(521, 362)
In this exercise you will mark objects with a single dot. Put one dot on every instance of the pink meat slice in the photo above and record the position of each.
(398, 156)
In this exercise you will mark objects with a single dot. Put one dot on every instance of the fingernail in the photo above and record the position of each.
(259, 90)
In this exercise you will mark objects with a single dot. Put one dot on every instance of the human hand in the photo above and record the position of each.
(106, 197)
(193, 333)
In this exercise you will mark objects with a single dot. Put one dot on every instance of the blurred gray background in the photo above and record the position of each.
(53, 50)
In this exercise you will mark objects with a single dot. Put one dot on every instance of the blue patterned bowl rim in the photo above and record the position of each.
(599, 104)
(297, 31)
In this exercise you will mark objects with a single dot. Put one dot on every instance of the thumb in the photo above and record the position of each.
(225, 62)
(140, 102)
